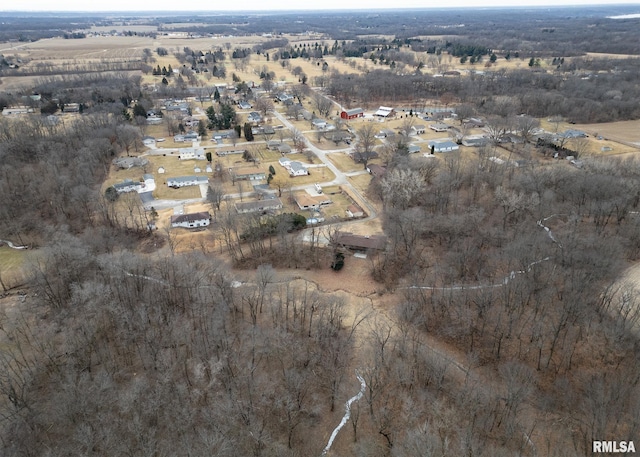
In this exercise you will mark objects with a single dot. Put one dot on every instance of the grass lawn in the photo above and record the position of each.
(361, 182)
(163, 192)
(344, 163)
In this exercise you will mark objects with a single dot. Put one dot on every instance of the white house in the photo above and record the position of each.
(319, 124)
(183, 181)
(191, 154)
(418, 129)
(443, 146)
(191, 220)
(297, 169)
(285, 162)
(439, 127)
(127, 185)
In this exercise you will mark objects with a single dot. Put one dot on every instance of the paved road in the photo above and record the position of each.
(341, 178)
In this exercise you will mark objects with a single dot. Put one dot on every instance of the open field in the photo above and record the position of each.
(12, 265)
(626, 131)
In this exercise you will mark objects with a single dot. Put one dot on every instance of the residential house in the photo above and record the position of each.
(473, 123)
(191, 154)
(385, 133)
(284, 161)
(254, 117)
(148, 141)
(284, 148)
(284, 97)
(474, 141)
(418, 129)
(375, 170)
(184, 181)
(338, 136)
(273, 144)
(243, 104)
(190, 122)
(247, 174)
(354, 211)
(229, 151)
(413, 148)
(259, 206)
(443, 146)
(439, 127)
(297, 169)
(306, 201)
(319, 124)
(360, 243)
(192, 220)
(352, 113)
(127, 185)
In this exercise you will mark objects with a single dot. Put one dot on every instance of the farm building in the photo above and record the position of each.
(184, 181)
(385, 111)
(352, 113)
(191, 220)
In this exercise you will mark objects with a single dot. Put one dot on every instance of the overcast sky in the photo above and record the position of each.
(270, 5)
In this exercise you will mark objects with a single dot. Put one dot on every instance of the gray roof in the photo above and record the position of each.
(200, 179)
(260, 205)
(297, 166)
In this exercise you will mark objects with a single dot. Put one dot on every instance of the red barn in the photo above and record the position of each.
(352, 113)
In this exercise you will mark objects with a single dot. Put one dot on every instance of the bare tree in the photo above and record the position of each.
(299, 141)
(322, 104)
(363, 151)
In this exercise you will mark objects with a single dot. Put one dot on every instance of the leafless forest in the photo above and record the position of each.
(497, 324)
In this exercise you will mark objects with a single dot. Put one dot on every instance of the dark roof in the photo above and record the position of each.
(349, 240)
(376, 170)
(192, 217)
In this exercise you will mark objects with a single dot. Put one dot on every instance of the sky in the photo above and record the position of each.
(275, 5)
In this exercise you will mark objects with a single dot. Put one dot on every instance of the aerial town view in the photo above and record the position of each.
(409, 232)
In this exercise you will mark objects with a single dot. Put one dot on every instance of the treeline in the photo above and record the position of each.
(71, 68)
(518, 268)
(51, 174)
(582, 96)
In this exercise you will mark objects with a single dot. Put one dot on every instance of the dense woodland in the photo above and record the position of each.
(498, 328)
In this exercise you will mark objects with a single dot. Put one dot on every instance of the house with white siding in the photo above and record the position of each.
(192, 220)
(184, 181)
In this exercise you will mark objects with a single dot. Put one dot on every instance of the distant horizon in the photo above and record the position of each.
(204, 6)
